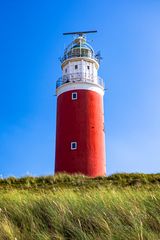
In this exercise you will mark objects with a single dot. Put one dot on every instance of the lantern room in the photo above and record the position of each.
(79, 63)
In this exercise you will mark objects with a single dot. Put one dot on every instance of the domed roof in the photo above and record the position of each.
(79, 43)
(79, 48)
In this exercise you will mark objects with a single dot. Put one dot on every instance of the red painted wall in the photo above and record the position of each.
(82, 121)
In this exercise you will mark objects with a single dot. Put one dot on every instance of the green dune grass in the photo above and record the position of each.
(119, 207)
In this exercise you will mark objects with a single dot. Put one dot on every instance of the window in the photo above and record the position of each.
(88, 67)
(66, 70)
(76, 66)
(73, 145)
(74, 95)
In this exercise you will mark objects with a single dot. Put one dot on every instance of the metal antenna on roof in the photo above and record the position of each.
(79, 33)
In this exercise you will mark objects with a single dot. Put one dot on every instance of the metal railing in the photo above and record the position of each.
(73, 55)
(79, 77)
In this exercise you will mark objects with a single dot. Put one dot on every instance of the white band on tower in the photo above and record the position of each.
(80, 86)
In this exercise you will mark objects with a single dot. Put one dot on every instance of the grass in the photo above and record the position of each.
(118, 207)
(65, 180)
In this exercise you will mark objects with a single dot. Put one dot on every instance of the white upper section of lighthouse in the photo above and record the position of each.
(79, 65)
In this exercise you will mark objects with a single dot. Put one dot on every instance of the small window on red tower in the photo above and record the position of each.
(74, 95)
(76, 66)
(73, 145)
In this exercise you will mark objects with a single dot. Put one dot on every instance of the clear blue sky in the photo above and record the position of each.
(31, 42)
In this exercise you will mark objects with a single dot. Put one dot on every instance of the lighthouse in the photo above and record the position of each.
(80, 134)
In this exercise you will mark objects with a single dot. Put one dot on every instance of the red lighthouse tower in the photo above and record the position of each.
(80, 143)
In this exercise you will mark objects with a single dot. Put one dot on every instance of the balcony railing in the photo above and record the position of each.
(79, 77)
(80, 55)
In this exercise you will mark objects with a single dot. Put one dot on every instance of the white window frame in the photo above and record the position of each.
(73, 143)
(74, 93)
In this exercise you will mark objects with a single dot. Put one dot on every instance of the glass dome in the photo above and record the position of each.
(79, 48)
